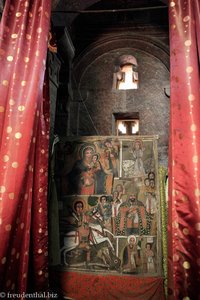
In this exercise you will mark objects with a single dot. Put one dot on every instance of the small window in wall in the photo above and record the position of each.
(126, 123)
(125, 76)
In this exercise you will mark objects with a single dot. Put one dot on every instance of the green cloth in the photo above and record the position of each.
(163, 205)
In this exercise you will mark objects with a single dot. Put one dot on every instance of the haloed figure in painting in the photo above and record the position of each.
(76, 239)
(81, 178)
(111, 158)
(137, 152)
(83, 228)
(120, 190)
(130, 256)
(99, 175)
(105, 210)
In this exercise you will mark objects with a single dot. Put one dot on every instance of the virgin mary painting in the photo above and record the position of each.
(81, 178)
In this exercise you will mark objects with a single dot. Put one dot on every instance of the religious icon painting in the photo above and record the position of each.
(121, 188)
(138, 254)
(125, 187)
(89, 165)
(138, 157)
(137, 209)
(150, 182)
(91, 236)
(86, 237)
(109, 217)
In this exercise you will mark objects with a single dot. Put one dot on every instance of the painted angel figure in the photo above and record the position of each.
(137, 151)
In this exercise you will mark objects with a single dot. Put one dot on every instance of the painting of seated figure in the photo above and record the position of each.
(88, 166)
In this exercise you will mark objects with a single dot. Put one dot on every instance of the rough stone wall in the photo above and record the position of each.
(96, 115)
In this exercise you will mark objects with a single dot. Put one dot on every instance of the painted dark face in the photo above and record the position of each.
(151, 175)
(108, 144)
(103, 200)
(88, 153)
(107, 153)
(119, 188)
(137, 146)
(132, 198)
(131, 241)
(148, 246)
(115, 194)
(152, 183)
(78, 208)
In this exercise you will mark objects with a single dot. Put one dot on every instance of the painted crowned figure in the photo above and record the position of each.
(132, 218)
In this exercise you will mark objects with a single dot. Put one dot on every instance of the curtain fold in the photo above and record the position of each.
(23, 135)
(184, 151)
(39, 224)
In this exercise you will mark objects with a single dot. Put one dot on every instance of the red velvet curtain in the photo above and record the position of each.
(184, 168)
(24, 120)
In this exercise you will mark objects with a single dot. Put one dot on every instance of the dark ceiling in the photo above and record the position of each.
(86, 20)
(64, 12)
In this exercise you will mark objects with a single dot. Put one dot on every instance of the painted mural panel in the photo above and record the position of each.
(109, 214)
(90, 166)
(137, 158)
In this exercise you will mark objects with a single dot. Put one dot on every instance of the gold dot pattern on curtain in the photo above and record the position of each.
(23, 47)
(184, 150)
